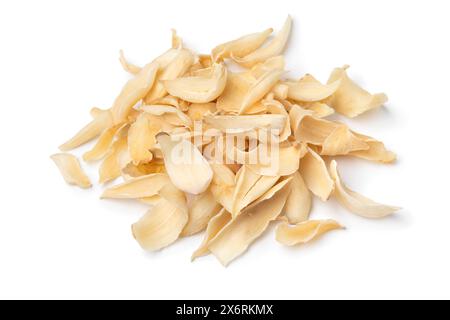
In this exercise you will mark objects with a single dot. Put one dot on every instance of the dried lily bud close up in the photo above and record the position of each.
(228, 151)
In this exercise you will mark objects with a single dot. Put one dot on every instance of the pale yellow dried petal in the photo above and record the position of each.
(274, 48)
(201, 209)
(127, 66)
(242, 46)
(187, 168)
(160, 226)
(199, 89)
(296, 115)
(131, 170)
(141, 138)
(197, 111)
(70, 169)
(234, 239)
(236, 124)
(309, 89)
(319, 109)
(135, 188)
(103, 144)
(152, 200)
(111, 166)
(304, 232)
(356, 202)
(274, 63)
(235, 90)
(342, 142)
(298, 203)
(315, 174)
(376, 152)
(223, 195)
(177, 67)
(282, 163)
(177, 42)
(260, 88)
(280, 91)
(133, 91)
(102, 120)
(350, 99)
(223, 175)
(178, 117)
(276, 107)
(214, 226)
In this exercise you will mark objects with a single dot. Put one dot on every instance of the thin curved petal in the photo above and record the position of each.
(298, 204)
(304, 232)
(309, 89)
(315, 174)
(70, 169)
(135, 188)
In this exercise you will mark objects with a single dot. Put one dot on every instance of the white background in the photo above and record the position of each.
(60, 58)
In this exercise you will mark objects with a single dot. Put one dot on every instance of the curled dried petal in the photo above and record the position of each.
(236, 124)
(70, 169)
(309, 89)
(298, 203)
(199, 89)
(357, 203)
(314, 171)
(127, 66)
(111, 166)
(187, 168)
(304, 232)
(350, 99)
(140, 187)
(274, 48)
(103, 143)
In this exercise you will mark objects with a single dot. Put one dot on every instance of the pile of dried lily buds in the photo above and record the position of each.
(183, 112)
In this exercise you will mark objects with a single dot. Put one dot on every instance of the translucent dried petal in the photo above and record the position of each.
(304, 232)
(177, 67)
(357, 203)
(341, 142)
(141, 138)
(199, 89)
(187, 168)
(238, 124)
(242, 46)
(298, 203)
(376, 151)
(103, 144)
(309, 89)
(102, 120)
(259, 89)
(350, 99)
(133, 91)
(127, 66)
(177, 42)
(239, 233)
(133, 171)
(315, 174)
(160, 226)
(215, 225)
(140, 187)
(274, 48)
(202, 208)
(284, 164)
(111, 167)
(70, 169)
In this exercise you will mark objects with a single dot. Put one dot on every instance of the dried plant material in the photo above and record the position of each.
(304, 232)
(177, 67)
(101, 121)
(376, 151)
(110, 168)
(274, 48)
(298, 203)
(357, 203)
(141, 138)
(103, 144)
(285, 163)
(208, 148)
(319, 109)
(133, 91)
(187, 168)
(199, 89)
(309, 89)
(202, 208)
(239, 233)
(242, 46)
(128, 67)
(70, 169)
(350, 99)
(197, 111)
(140, 187)
(341, 142)
(160, 226)
(239, 124)
(315, 174)
(214, 226)
(259, 89)
(177, 42)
